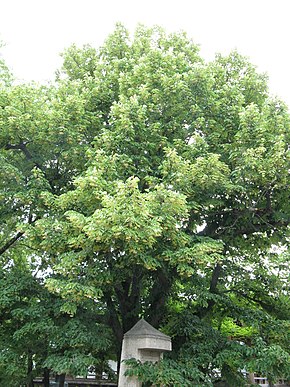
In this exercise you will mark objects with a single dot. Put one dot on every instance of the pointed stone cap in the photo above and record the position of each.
(143, 330)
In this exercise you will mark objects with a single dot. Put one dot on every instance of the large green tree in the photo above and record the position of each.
(156, 185)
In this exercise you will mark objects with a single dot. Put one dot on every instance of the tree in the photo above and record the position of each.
(162, 196)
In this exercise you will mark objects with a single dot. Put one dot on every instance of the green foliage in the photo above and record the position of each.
(271, 361)
(37, 324)
(6, 76)
(167, 373)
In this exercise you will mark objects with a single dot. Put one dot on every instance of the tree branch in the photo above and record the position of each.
(9, 243)
(217, 222)
(22, 146)
(202, 312)
(17, 236)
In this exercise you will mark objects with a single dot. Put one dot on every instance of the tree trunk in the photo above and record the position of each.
(46, 377)
(203, 311)
(29, 370)
(60, 379)
(158, 297)
(251, 377)
(114, 323)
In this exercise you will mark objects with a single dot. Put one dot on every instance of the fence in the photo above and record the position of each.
(263, 382)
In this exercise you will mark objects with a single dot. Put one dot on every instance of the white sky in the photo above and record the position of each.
(36, 31)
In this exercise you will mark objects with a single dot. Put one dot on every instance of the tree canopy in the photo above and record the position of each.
(145, 182)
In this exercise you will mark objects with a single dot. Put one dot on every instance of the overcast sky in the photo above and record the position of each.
(36, 31)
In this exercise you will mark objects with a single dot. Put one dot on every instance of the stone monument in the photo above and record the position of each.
(144, 343)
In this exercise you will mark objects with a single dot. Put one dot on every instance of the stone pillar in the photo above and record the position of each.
(144, 343)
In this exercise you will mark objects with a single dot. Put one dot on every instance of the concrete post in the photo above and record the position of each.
(144, 343)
